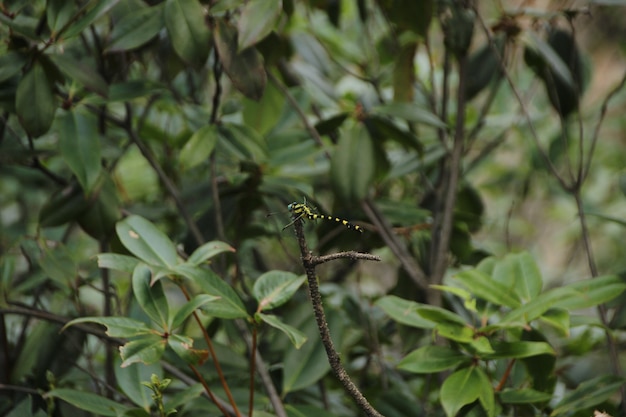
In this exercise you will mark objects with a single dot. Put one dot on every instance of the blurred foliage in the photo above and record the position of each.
(149, 151)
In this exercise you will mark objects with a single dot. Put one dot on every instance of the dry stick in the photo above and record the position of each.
(252, 366)
(264, 375)
(309, 262)
(207, 389)
(454, 170)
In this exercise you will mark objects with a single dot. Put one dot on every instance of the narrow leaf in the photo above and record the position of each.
(296, 337)
(483, 286)
(430, 359)
(189, 307)
(80, 72)
(274, 288)
(519, 349)
(136, 29)
(199, 147)
(228, 306)
(589, 394)
(186, 26)
(208, 251)
(410, 112)
(521, 270)
(404, 311)
(79, 144)
(91, 11)
(353, 164)
(459, 389)
(34, 101)
(146, 242)
(245, 69)
(151, 298)
(257, 20)
(146, 350)
(122, 327)
(183, 346)
(118, 262)
(89, 402)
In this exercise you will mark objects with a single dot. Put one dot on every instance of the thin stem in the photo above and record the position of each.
(216, 363)
(208, 391)
(453, 171)
(309, 262)
(252, 373)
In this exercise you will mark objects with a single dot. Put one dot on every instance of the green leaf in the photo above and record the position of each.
(305, 366)
(591, 292)
(136, 29)
(404, 72)
(257, 19)
(430, 359)
(146, 242)
(296, 337)
(99, 220)
(151, 298)
(189, 307)
(91, 11)
(582, 294)
(228, 306)
(183, 346)
(122, 327)
(208, 251)
(130, 380)
(404, 311)
(59, 265)
(440, 315)
(118, 262)
(459, 389)
(130, 90)
(483, 286)
(186, 26)
(275, 288)
(559, 319)
(199, 147)
(457, 332)
(487, 395)
(147, 350)
(353, 164)
(80, 72)
(549, 56)
(89, 402)
(58, 14)
(523, 396)
(588, 394)
(522, 271)
(242, 142)
(34, 101)
(11, 63)
(410, 112)
(79, 144)
(264, 114)
(519, 349)
(245, 69)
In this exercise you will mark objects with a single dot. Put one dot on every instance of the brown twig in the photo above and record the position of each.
(216, 363)
(309, 262)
